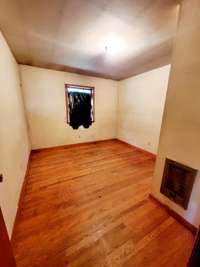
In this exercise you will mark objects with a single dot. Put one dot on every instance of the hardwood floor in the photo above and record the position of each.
(88, 206)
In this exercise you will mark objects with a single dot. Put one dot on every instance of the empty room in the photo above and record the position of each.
(99, 133)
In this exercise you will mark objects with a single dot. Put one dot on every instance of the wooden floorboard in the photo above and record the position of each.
(88, 206)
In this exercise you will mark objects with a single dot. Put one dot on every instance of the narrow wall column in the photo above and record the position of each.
(180, 131)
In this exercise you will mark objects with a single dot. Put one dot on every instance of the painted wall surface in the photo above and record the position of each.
(180, 133)
(140, 108)
(14, 142)
(44, 95)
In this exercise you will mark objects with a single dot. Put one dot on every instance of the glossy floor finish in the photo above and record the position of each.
(88, 206)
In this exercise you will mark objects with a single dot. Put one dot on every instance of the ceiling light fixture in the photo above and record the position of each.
(113, 45)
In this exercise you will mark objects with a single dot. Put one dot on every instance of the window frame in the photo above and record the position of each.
(82, 87)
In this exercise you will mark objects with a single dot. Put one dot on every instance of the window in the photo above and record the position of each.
(79, 105)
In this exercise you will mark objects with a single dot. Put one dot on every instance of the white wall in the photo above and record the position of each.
(14, 143)
(140, 108)
(180, 133)
(44, 95)
(136, 118)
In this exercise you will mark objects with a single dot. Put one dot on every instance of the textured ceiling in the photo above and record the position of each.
(72, 35)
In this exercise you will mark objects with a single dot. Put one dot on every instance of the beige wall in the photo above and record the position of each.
(138, 116)
(140, 108)
(44, 96)
(180, 134)
(14, 143)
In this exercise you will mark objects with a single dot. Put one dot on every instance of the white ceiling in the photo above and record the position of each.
(72, 35)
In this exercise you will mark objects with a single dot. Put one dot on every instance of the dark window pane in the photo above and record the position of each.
(80, 109)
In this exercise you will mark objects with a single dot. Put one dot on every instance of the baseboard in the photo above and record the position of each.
(139, 149)
(73, 145)
(21, 197)
(176, 216)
